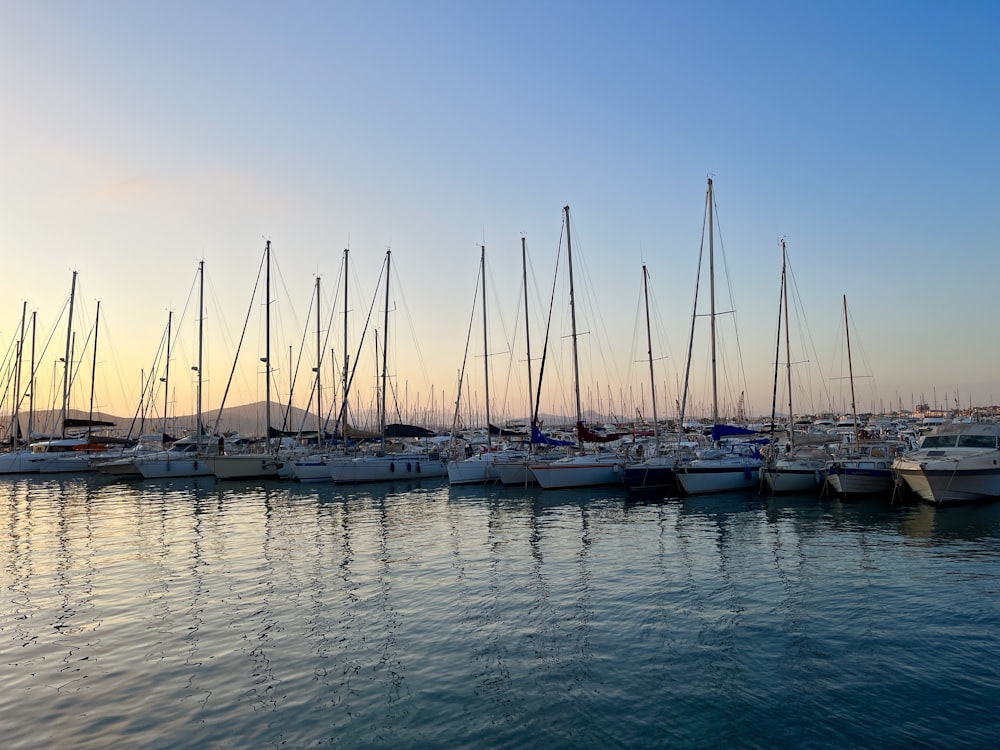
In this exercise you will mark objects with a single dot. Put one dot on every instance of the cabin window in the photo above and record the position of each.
(938, 441)
(977, 441)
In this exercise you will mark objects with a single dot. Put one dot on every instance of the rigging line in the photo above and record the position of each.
(225, 394)
(357, 354)
(548, 324)
(465, 355)
(732, 297)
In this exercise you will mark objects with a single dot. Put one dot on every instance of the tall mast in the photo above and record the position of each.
(385, 344)
(711, 280)
(486, 348)
(201, 330)
(166, 373)
(319, 367)
(31, 382)
(15, 422)
(572, 315)
(68, 357)
(267, 335)
(347, 357)
(649, 347)
(93, 372)
(850, 372)
(788, 348)
(527, 328)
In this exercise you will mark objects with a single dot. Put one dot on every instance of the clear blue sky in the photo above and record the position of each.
(140, 137)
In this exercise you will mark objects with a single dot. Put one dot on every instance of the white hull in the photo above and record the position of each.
(579, 471)
(311, 469)
(473, 470)
(699, 478)
(386, 468)
(514, 473)
(951, 477)
(63, 464)
(17, 462)
(162, 468)
(118, 467)
(779, 479)
(259, 466)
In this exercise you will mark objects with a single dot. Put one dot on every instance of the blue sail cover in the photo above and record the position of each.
(540, 439)
(720, 431)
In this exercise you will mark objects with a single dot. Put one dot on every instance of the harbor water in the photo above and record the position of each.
(196, 613)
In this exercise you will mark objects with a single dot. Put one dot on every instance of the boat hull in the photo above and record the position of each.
(514, 473)
(162, 468)
(566, 474)
(473, 470)
(244, 467)
(859, 480)
(386, 469)
(651, 476)
(951, 486)
(702, 480)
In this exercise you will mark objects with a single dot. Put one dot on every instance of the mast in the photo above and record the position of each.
(267, 345)
(68, 357)
(166, 373)
(201, 330)
(788, 348)
(319, 367)
(385, 346)
(527, 331)
(347, 357)
(486, 349)
(649, 347)
(31, 382)
(15, 422)
(850, 372)
(711, 279)
(572, 315)
(93, 372)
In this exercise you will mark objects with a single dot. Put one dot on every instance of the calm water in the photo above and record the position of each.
(190, 613)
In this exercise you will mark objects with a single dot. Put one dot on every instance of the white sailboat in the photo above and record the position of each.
(477, 468)
(186, 457)
(803, 467)
(732, 465)
(582, 469)
(17, 459)
(264, 465)
(863, 467)
(392, 461)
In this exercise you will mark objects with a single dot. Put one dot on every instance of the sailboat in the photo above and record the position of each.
(477, 468)
(393, 460)
(73, 454)
(863, 467)
(582, 469)
(732, 465)
(803, 467)
(17, 459)
(186, 457)
(514, 468)
(655, 472)
(254, 465)
(314, 468)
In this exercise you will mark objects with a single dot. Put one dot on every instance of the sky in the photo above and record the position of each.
(139, 138)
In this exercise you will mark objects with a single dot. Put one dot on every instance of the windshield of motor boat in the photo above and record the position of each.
(938, 441)
(977, 441)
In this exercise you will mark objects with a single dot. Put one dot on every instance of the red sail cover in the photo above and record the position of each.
(588, 436)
